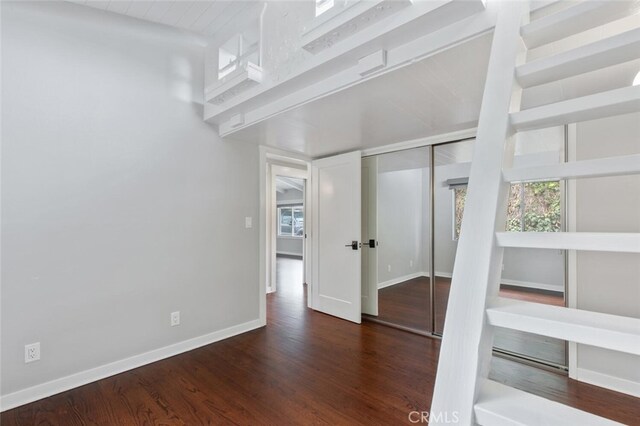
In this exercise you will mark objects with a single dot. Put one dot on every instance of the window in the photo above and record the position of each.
(533, 207)
(323, 5)
(459, 197)
(291, 221)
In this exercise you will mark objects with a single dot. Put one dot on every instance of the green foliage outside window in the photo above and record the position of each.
(533, 207)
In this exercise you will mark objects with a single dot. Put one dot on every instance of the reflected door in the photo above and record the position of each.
(402, 191)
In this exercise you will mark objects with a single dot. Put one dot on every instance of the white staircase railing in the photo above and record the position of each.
(463, 390)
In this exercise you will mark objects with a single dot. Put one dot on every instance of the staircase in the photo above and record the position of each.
(463, 390)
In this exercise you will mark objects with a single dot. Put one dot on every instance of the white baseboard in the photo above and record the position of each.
(515, 283)
(438, 274)
(610, 382)
(401, 279)
(62, 384)
(537, 286)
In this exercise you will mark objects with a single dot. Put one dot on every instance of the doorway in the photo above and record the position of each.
(287, 222)
(290, 234)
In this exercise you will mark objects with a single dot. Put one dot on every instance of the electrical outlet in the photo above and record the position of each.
(32, 352)
(175, 318)
(248, 222)
(411, 263)
(388, 268)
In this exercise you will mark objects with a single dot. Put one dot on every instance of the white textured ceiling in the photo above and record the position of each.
(437, 95)
(286, 183)
(434, 96)
(205, 17)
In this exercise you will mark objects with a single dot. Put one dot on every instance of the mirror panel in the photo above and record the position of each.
(403, 255)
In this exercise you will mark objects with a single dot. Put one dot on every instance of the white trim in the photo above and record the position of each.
(401, 279)
(289, 202)
(617, 384)
(417, 143)
(443, 274)
(529, 284)
(572, 256)
(62, 384)
(270, 157)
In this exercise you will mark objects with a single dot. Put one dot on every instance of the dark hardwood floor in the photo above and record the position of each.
(304, 367)
(408, 304)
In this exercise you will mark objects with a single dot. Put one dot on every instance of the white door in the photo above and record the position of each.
(369, 236)
(336, 227)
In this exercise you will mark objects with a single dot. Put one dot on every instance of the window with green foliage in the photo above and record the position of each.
(533, 207)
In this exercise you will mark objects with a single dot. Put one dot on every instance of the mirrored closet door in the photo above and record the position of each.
(396, 188)
(413, 206)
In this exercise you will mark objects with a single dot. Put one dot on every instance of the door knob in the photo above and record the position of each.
(353, 245)
(370, 244)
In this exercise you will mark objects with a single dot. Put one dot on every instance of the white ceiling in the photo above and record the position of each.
(205, 17)
(437, 95)
(284, 183)
(434, 96)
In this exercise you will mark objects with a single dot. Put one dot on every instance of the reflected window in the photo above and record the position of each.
(533, 207)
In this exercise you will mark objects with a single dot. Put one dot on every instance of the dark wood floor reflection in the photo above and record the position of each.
(303, 368)
(408, 304)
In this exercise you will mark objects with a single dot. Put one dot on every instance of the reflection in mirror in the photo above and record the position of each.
(400, 197)
(398, 202)
(535, 275)
(452, 163)
(532, 275)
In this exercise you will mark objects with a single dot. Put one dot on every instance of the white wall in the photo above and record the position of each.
(402, 216)
(116, 202)
(289, 245)
(609, 282)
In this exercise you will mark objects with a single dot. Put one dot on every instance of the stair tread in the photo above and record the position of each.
(600, 54)
(605, 104)
(501, 405)
(609, 166)
(575, 19)
(592, 328)
(589, 241)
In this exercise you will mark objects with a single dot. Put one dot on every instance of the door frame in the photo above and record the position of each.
(269, 157)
